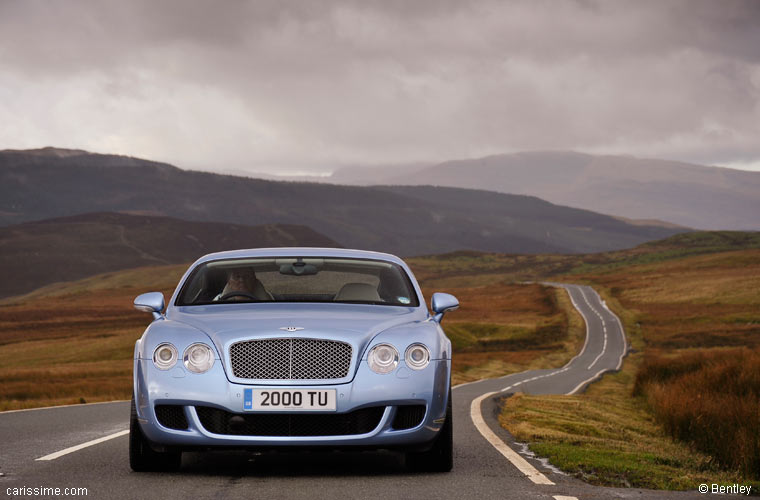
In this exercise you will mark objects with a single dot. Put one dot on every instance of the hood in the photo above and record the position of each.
(355, 324)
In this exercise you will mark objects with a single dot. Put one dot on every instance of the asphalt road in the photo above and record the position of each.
(482, 468)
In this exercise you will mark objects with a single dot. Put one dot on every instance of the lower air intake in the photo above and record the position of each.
(172, 416)
(408, 416)
(283, 424)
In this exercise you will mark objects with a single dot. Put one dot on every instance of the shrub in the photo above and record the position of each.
(710, 399)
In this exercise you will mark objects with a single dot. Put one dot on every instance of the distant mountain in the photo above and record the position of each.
(640, 191)
(404, 220)
(69, 248)
(372, 175)
(681, 193)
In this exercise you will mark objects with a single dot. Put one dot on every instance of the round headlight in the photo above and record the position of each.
(198, 358)
(165, 356)
(417, 356)
(382, 358)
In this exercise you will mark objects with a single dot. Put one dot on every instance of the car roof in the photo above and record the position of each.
(300, 252)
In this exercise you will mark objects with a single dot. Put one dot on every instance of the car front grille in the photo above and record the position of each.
(290, 359)
(171, 416)
(288, 424)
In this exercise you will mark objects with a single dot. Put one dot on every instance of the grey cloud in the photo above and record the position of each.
(273, 85)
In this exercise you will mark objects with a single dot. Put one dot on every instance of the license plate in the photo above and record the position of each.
(289, 399)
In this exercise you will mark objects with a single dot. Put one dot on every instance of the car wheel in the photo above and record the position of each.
(439, 458)
(142, 457)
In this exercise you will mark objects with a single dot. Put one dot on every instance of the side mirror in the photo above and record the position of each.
(442, 303)
(152, 302)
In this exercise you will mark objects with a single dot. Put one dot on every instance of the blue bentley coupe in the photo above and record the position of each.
(293, 348)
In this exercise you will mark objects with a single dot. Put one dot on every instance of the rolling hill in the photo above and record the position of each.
(689, 195)
(41, 184)
(35, 254)
(647, 190)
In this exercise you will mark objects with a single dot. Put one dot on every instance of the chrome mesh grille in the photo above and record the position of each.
(290, 359)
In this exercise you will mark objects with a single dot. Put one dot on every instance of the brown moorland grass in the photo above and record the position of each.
(702, 301)
(469, 268)
(73, 343)
(710, 399)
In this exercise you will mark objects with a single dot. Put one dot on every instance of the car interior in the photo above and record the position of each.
(298, 280)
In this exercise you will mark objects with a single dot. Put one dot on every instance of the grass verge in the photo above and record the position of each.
(606, 437)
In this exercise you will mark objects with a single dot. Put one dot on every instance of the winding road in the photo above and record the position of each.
(85, 446)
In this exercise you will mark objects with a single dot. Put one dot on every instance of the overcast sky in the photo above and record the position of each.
(285, 87)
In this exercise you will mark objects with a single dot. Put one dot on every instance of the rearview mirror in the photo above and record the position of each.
(152, 302)
(442, 303)
(298, 269)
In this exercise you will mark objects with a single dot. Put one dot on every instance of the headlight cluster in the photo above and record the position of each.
(198, 358)
(383, 358)
(417, 356)
(165, 356)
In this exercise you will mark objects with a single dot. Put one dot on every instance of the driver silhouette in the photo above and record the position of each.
(242, 284)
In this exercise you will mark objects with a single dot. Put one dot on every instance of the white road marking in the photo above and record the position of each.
(78, 447)
(604, 327)
(620, 329)
(585, 342)
(535, 378)
(467, 383)
(562, 497)
(482, 379)
(64, 406)
(522, 465)
(587, 381)
(604, 349)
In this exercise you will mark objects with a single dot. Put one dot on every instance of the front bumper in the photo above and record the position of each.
(428, 387)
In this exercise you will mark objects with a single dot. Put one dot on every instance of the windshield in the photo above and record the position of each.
(296, 279)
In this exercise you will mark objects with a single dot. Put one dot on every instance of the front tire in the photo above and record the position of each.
(143, 458)
(439, 458)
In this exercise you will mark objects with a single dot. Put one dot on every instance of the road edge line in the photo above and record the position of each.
(65, 406)
(626, 345)
(78, 447)
(468, 383)
(566, 288)
(522, 465)
(596, 376)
